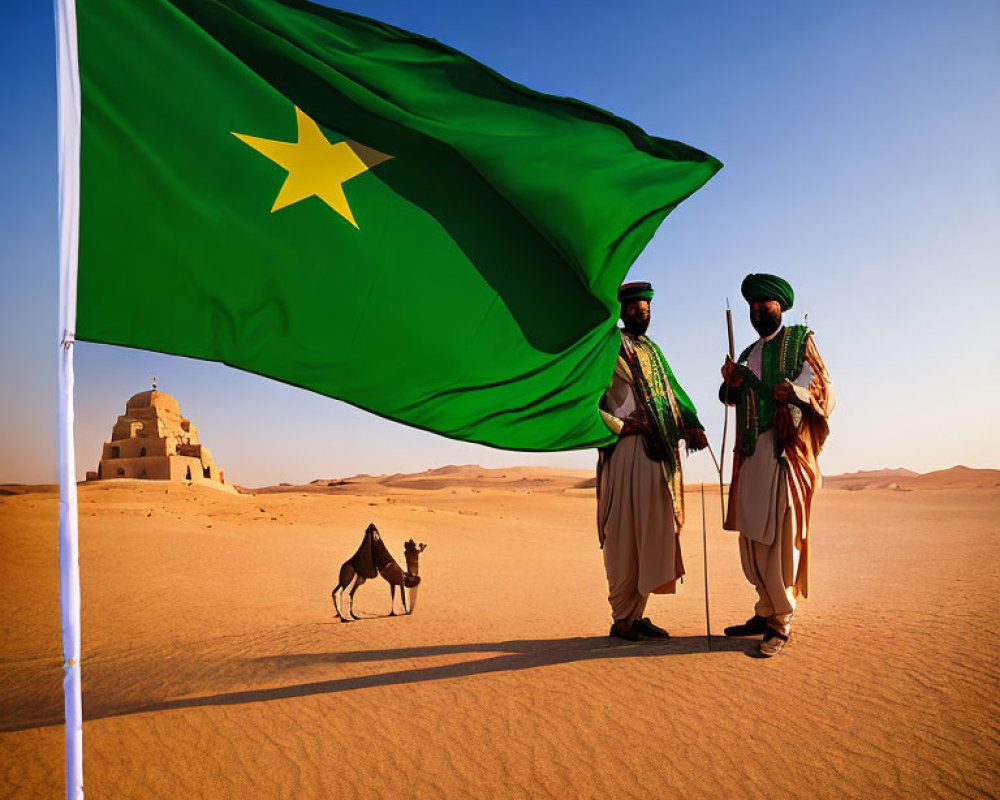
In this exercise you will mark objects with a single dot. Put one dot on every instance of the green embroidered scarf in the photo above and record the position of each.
(781, 359)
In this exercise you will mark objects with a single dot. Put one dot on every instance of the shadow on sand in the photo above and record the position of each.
(499, 657)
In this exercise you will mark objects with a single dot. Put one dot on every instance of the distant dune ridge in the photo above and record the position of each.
(556, 479)
(453, 476)
(213, 666)
(954, 478)
(552, 479)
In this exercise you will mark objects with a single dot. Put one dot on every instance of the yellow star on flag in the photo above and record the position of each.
(316, 167)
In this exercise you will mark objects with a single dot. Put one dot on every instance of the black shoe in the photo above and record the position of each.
(755, 626)
(622, 630)
(647, 630)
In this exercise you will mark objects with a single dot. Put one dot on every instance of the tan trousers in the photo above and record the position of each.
(641, 547)
(772, 569)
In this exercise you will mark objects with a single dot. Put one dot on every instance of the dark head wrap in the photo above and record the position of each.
(761, 286)
(635, 291)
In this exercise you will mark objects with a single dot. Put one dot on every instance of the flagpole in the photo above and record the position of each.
(68, 82)
(69, 578)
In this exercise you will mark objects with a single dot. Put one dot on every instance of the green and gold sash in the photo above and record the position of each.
(781, 359)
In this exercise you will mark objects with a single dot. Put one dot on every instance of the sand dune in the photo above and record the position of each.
(524, 479)
(213, 666)
(451, 477)
(954, 478)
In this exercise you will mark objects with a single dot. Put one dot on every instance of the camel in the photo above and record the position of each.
(412, 553)
(372, 559)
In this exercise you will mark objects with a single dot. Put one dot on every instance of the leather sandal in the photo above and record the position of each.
(773, 643)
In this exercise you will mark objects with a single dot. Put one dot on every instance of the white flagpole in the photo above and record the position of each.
(69, 218)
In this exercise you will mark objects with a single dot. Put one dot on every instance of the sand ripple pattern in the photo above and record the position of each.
(214, 668)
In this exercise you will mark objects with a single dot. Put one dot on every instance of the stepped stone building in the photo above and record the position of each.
(152, 440)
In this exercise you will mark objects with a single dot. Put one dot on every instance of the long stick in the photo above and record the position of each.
(69, 563)
(729, 330)
(721, 465)
(715, 461)
(704, 544)
(718, 469)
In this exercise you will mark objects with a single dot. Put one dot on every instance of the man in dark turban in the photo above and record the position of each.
(783, 398)
(763, 288)
(640, 484)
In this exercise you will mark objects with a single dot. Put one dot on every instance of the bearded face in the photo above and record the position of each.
(765, 316)
(635, 317)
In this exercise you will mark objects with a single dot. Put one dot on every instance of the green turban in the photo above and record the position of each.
(639, 290)
(761, 286)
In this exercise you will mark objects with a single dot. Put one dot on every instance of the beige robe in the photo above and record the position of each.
(635, 513)
(771, 542)
(771, 493)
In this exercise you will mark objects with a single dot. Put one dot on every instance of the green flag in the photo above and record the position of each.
(347, 207)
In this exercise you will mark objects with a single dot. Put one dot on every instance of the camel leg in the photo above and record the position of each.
(347, 572)
(357, 582)
(402, 595)
(392, 599)
(338, 602)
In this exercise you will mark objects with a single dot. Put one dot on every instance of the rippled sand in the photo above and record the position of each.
(213, 665)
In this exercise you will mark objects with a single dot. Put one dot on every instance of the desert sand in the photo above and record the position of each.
(213, 665)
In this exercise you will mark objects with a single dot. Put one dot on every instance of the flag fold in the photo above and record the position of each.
(341, 205)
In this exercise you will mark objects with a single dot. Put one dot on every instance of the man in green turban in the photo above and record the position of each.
(640, 484)
(783, 398)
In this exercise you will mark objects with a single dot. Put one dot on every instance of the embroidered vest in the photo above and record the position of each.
(781, 359)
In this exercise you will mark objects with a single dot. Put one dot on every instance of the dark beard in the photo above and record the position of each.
(635, 327)
(765, 323)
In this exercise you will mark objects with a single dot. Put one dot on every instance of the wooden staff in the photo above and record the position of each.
(729, 330)
(721, 465)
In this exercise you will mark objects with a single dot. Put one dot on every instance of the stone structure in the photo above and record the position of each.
(152, 440)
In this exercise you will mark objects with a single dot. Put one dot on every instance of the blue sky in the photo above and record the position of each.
(860, 143)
